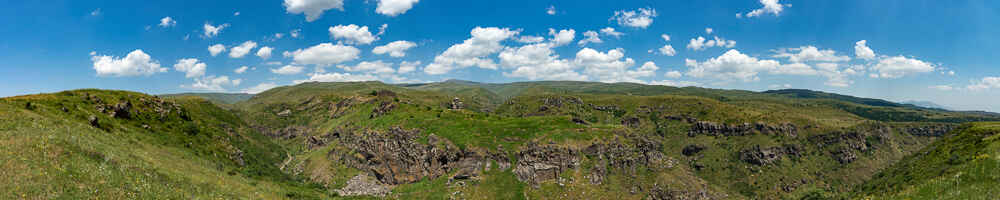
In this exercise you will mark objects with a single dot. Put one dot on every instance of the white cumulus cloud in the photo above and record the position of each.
(810, 53)
(241, 70)
(216, 49)
(900, 66)
(985, 83)
(212, 31)
(264, 52)
(562, 37)
(407, 67)
(191, 67)
(377, 67)
(640, 18)
(288, 70)
(352, 34)
(537, 62)
(673, 74)
(472, 51)
(213, 83)
(732, 65)
(338, 77)
(611, 32)
(313, 9)
(167, 22)
(590, 37)
(862, 51)
(551, 10)
(135, 63)
(700, 43)
(611, 66)
(325, 54)
(242, 49)
(394, 49)
(394, 8)
(770, 7)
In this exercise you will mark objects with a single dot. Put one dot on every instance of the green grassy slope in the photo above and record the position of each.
(221, 98)
(164, 149)
(293, 142)
(963, 165)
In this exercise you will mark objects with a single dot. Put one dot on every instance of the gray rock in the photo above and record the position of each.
(364, 184)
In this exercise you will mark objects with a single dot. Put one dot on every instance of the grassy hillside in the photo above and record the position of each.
(510, 118)
(963, 165)
(89, 144)
(220, 98)
(467, 140)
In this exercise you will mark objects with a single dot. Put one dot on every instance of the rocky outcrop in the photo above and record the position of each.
(538, 163)
(382, 108)
(560, 101)
(844, 156)
(341, 107)
(930, 130)
(364, 184)
(395, 157)
(719, 129)
(765, 156)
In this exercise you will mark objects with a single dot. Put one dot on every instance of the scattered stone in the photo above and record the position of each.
(64, 109)
(144, 126)
(237, 156)
(456, 104)
(93, 121)
(844, 156)
(579, 121)
(285, 113)
(364, 184)
(761, 156)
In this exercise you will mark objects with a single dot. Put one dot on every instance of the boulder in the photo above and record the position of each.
(122, 110)
(456, 104)
(94, 121)
(285, 113)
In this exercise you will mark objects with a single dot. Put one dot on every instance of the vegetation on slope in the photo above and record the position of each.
(962, 165)
(63, 145)
(608, 141)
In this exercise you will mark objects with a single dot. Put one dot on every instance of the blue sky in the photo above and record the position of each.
(912, 50)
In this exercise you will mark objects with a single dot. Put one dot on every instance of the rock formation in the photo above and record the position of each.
(718, 129)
